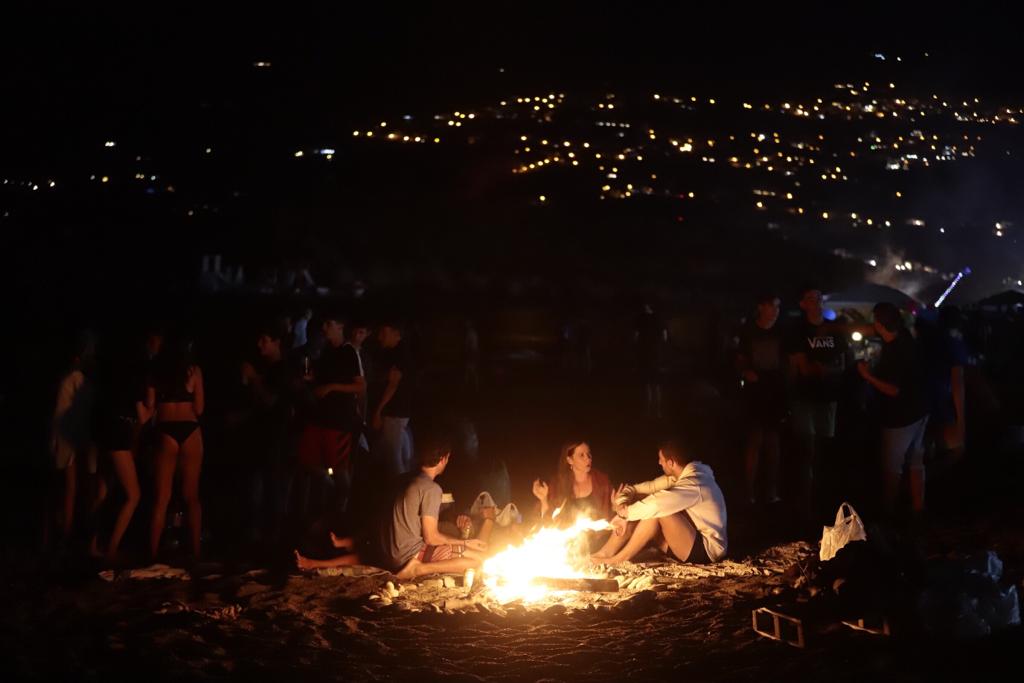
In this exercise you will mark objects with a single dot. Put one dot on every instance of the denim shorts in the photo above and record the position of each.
(812, 418)
(904, 446)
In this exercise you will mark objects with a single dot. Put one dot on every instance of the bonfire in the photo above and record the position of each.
(549, 559)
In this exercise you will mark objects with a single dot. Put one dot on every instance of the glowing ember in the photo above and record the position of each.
(551, 552)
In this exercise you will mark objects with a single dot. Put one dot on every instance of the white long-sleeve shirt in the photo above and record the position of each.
(696, 492)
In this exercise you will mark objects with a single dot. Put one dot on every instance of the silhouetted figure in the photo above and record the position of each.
(651, 337)
(817, 353)
(759, 362)
(899, 379)
(176, 389)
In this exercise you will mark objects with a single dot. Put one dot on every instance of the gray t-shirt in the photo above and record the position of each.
(403, 537)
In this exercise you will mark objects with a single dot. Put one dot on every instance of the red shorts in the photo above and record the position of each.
(435, 553)
(321, 447)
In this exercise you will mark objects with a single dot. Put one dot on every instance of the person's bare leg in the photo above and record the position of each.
(99, 492)
(474, 555)
(614, 543)
(453, 566)
(191, 467)
(124, 468)
(915, 476)
(679, 534)
(890, 492)
(751, 457)
(771, 464)
(307, 563)
(644, 532)
(808, 454)
(68, 509)
(342, 542)
(486, 527)
(165, 461)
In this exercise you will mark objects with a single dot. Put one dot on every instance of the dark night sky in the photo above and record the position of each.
(69, 72)
(163, 80)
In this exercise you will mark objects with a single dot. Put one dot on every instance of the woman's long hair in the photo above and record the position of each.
(564, 477)
(175, 360)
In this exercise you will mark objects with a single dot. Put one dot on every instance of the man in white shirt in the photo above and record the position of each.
(682, 512)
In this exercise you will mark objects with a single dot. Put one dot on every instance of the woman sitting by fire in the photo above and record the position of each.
(577, 489)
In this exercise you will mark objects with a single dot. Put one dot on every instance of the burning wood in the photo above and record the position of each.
(578, 584)
(554, 583)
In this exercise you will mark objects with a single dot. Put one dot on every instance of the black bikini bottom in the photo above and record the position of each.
(179, 431)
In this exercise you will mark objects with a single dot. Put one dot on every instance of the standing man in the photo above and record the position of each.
(268, 383)
(358, 333)
(946, 354)
(817, 359)
(325, 445)
(393, 446)
(651, 337)
(900, 382)
(759, 362)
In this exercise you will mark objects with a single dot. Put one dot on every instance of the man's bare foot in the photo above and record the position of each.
(410, 570)
(304, 563)
(344, 542)
(614, 559)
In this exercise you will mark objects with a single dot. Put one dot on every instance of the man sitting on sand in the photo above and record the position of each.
(682, 512)
(339, 542)
(410, 543)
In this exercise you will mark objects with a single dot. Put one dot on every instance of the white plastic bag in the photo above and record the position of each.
(484, 500)
(848, 527)
(509, 515)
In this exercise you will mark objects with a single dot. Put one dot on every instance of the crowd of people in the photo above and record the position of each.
(327, 438)
(797, 379)
(303, 412)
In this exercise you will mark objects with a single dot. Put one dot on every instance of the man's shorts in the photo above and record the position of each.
(436, 553)
(321, 447)
(698, 553)
(904, 447)
(812, 418)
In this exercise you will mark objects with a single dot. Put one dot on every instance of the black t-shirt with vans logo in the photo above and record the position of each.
(825, 344)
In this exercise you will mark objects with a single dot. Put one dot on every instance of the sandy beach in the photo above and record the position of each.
(669, 622)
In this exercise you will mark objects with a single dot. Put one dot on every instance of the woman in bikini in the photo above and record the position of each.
(176, 389)
(125, 409)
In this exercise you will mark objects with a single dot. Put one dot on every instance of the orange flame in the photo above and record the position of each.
(550, 552)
